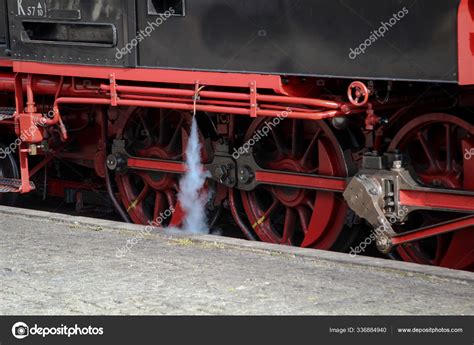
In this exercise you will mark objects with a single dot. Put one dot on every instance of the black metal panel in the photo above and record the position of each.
(75, 32)
(3, 23)
(307, 37)
(3, 29)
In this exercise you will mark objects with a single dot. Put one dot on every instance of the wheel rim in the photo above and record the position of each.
(147, 196)
(296, 216)
(435, 144)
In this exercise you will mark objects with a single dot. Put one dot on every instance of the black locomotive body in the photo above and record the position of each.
(391, 39)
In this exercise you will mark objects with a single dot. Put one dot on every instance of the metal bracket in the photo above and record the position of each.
(223, 167)
(375, 195)
(113, 91)
(253, 99)
(365, 196)
(117, 160)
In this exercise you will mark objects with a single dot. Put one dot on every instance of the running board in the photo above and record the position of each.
(9, 185)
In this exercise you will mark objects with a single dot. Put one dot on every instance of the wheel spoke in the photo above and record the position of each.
(139, 198)
(145, 129)
(428, 151)
(174, 138)
(163, 128)
(297, 138)
(305, 216)
(311, 150)
(159, 205)
(272, 207)
(289, 226)
(449, 148)
(171, 196)
(278, 141)
(144, 124)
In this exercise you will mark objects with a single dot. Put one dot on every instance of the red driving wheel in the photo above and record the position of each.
(296, 216)
(154, 134)
(436, 144)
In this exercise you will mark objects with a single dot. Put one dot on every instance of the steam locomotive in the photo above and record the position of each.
(321, 122)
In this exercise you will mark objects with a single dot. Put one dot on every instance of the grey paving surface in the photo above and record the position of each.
(51, 268)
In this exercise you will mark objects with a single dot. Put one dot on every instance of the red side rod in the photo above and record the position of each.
(433, 231)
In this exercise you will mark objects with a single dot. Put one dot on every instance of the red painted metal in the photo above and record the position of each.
(29, 128)
(437, 200)
(25, 177)
(6, 62)
(288, 179)
(316, 103)
(319, 115)
(435, 143)
(18, 89)
(358, 93)
(466, 42)
(310, 102)
(30, 101)
(23, 149)
(468, 163)
(325, 227)
(151, 185)
(157, 165)
(253, 99)
(46, 160)
(460, 253)
(38, 119)
(93, 96)
(186, 100)
(51, 87)
(113, 91)
(58, 188)
(253, 108)
(428, 199)
(178, 216)
(284, 179)
(431, 231)
(47, 85)
(285, 208)
(271, 82)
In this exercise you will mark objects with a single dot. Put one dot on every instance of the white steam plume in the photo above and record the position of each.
(192, 196)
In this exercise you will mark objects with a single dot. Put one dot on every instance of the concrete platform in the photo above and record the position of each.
(56, 264)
